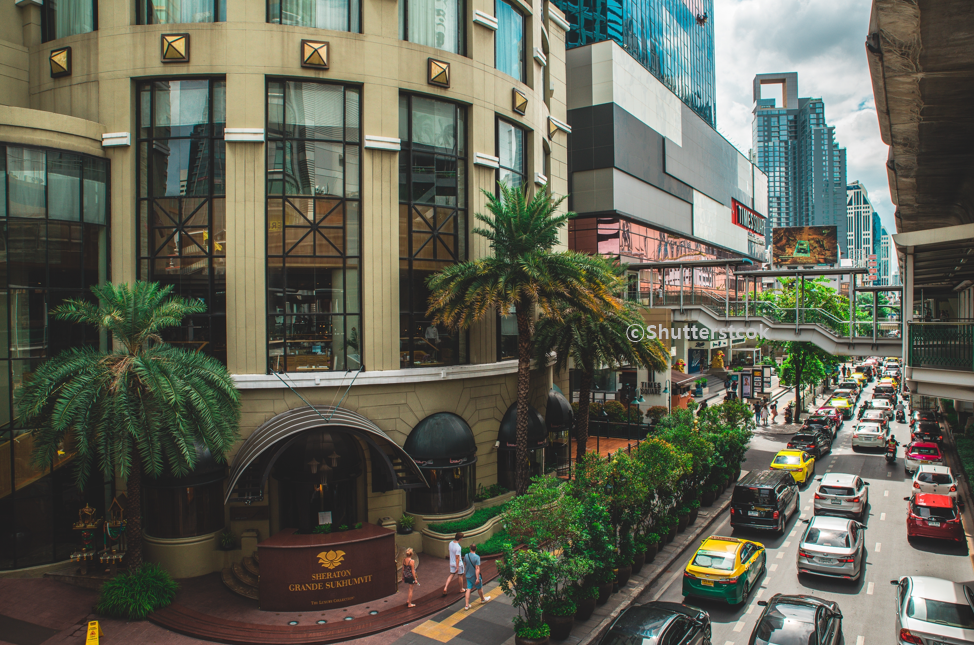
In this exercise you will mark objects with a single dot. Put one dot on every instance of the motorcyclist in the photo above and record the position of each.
(891, 446)
(900, 412)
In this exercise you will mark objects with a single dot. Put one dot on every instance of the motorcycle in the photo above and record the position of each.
(891, 453)
(901, 416)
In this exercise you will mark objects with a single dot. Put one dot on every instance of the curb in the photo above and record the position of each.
(632, 592)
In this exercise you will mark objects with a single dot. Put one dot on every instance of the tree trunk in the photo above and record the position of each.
(581, 420)
(133, 512)
(799, 368)
(522, 475)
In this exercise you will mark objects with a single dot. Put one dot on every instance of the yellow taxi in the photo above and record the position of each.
(859, 376)
(799, 463)
(845, 406)
(724, 568)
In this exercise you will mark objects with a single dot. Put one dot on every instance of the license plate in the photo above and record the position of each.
(754, 513)
(826, 560)
(837, 502)
(707, 583)
(934, 524)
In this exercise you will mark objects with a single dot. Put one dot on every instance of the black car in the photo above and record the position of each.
(820, 424)
(817, 443)
(885, 392)
(927, 431)
(764, 499)
(669, 623)
(923, 415)
(798, 619)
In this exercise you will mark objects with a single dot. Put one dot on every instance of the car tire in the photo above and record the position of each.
(747, 592)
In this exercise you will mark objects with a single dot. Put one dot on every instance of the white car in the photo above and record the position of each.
(842, 494)
(933, 610)
(869, 435)
(878, 404)
(938, 480)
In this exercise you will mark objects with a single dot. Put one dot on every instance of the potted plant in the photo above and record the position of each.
(671, 523)
(694, 510)
(709, 495)
(639, 555)
(652, 546)
(700, 383)
(682, 518)
(585, 597)
(559, 615)
(406, 523)
(525, 633)
(228, 541)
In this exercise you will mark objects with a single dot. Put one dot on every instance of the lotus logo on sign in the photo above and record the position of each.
(330, 559)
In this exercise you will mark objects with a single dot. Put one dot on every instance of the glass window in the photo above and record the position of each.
(64, 186)
(27, 182)
(62, 18)
(510, 151)
(509, 40)
(507, 333)
(434, 23)
(182, 213)
(432, 224)
(184, 512)
(313, 227)
(451, 490)
(337, 15)
(168, 12)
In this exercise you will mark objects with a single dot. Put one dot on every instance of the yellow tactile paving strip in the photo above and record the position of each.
(444, 631)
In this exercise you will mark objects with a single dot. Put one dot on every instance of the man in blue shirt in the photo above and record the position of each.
(471, 563)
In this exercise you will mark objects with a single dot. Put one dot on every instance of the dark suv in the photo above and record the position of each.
(764, 499)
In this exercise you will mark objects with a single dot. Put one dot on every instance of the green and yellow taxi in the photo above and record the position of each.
(799, 463)
(845, 406)
(724, 568)
(859, 376)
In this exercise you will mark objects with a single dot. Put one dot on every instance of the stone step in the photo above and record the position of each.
(237, 587)
(251, 566)
(256, 558)
(244, 576)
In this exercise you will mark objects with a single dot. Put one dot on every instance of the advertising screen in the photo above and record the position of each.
(805, 245)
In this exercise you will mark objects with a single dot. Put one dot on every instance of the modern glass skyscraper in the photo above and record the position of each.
(868, 241)
(673, 39)
(805, 165)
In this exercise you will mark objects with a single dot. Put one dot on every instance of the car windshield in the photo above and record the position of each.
(935, 478)
(787, 460)
(713, 560)
(941, 613)
(932, 512)
(836, 490)
(828, 537)
(786, 625)
(929, 451)
(746, 495)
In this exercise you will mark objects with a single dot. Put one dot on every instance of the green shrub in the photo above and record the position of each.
(655, 413)
(228, 541)
(136, 594)
(965, 452)
(493, 545)
(615, 410)
(561, 607)
(479, 518)
(321, 529)
(487, 492)
(406, 522)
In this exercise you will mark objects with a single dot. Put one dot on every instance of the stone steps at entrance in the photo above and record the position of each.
(244, 576)
(237, 587)
(250, 564)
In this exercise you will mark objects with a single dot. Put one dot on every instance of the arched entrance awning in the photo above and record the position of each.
(558, 413)
(274, 436)
(507, 434)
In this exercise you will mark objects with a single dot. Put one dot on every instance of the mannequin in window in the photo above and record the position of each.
(432, 336)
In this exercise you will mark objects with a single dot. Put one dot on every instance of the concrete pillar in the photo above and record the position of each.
(907, 311)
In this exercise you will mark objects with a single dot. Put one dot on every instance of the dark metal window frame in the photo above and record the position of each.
(147, 255)
(461, 237)
(141, 17)
(280, 9)
(461, 27)
(47, 28)
(284, 197)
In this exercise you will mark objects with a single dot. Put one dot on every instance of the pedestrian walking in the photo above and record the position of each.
(409, 575)
(475, 581)
(456, 566)
(764, 414)
(774, 412)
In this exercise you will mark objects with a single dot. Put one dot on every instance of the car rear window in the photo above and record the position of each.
(872, 429)
(935, 478)
(941, 613)
(926, 450)
(828, 537)
(749, 495)
(929, 512)
(711, 560)
(787, 460)
(836, 490)
(804, 438)
(927, 426)
(786, 625)
(873, 414)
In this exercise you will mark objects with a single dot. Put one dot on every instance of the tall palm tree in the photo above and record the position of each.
(136, 408)
(597, 340)
(524, 272)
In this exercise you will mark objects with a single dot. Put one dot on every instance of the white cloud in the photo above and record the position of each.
(822, 40)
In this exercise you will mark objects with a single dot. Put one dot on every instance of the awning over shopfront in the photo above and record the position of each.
(679, 378)
(507, 436)
(271, 438)
(441, 440)
(558, 413)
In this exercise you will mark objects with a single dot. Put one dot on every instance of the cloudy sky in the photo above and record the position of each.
(822, 40)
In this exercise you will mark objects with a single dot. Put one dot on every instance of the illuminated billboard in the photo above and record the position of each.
(805, 245)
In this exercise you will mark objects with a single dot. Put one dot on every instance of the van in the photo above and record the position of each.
(764, 499)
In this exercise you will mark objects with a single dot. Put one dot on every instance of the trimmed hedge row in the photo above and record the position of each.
(965, 451)
(479, 518)
(492, 545)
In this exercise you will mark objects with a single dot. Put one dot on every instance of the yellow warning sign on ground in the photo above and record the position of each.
(94, 631)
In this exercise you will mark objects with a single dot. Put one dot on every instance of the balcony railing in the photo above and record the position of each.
(944, 346)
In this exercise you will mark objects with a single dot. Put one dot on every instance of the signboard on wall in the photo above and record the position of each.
(746, 390)
(805, 245)
(747, 218)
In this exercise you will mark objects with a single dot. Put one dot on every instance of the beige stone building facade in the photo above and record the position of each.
(302, 166)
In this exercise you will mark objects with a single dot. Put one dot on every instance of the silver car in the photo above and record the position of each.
(938, 480)
(869, 435)
(842, 494)
(833, 547)
(932, 610)
(879, 404)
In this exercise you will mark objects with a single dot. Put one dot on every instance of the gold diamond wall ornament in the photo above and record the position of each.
(438, 73)
(520, 102)
(60, 62)
(314, 54)
(175, 48)
(552, 129)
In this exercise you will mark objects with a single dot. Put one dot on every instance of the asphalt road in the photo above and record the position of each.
(868, 605)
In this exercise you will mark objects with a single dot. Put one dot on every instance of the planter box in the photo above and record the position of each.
(413, 540)
(493, 501)
(438, 544)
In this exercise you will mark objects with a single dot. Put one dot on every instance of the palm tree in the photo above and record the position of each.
(523, 272)
(133, 409)
(597, 340)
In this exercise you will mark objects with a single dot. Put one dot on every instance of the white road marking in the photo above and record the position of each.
(786, 544)
(760, 593)
(773, 567)
(882, 517)
(793, 533)
(750, 609)
(729, 643)
(860, 640)
(739, 626)
(889, 473)
(808, 506)
(878, 547)
(781, 554)
(869, 588)
(885, 493)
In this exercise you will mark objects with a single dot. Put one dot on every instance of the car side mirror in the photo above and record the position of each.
(894, 582)
(806, 521)
(906, 499)
(837, 614)
(866, 483)
(762, 603)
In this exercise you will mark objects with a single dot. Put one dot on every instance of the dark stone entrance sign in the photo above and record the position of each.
(308, 572)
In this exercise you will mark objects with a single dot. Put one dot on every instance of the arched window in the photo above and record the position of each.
(442, 445)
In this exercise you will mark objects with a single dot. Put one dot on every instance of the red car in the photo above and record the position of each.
(934, 516)
(833, 413)
(920, 453)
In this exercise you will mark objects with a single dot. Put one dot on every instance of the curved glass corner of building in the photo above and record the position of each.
(53, 247)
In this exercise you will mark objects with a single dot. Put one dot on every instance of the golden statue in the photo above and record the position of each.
(718, 361)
